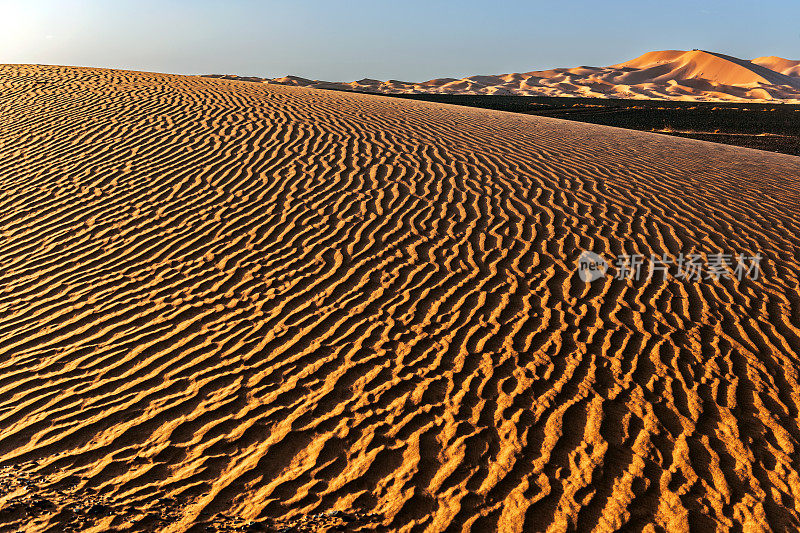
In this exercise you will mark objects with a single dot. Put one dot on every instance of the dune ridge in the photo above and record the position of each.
(239, 303)
(694, 75)
(778, 64)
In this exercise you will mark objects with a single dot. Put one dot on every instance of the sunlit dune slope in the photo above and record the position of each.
(675, 65)
(778, 64)
(224, 302)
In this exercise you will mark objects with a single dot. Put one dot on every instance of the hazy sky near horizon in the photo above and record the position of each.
(410, 40)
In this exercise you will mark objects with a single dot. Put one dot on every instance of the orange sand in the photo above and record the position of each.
(224, 302)
(666, 75)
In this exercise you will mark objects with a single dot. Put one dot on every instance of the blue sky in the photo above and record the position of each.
(407, 40)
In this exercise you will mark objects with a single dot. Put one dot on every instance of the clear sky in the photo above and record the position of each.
(414, 40)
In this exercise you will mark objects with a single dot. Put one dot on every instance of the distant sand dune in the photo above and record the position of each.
(694, 75)
(778, 64)
(224, 302)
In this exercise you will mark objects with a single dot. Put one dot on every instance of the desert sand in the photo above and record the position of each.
(694, 75)
(778, 64)
(242, 305)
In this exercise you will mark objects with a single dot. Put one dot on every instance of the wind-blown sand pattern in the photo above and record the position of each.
(224, 302)
(694, 75)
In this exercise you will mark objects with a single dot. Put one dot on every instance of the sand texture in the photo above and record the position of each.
(227, 303)
(694, 75)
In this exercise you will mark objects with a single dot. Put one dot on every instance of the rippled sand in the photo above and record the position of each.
(224, 302)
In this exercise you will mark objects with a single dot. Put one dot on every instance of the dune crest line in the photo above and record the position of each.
(274, 302)
(683, 75)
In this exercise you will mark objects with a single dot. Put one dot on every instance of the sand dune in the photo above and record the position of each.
(715, 68)
(778, 64)
(236, 303)
(694, 75)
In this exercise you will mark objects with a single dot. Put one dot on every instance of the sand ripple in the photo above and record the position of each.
(274, 302)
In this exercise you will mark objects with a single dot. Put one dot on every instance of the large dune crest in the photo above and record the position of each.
(694, 75)
(251, 305)
(719, 69)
